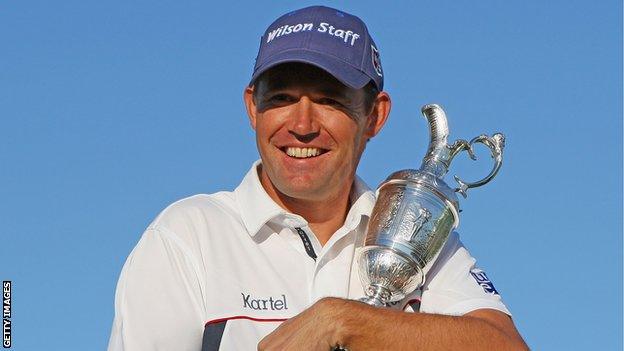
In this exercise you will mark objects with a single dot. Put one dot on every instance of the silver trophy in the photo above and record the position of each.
(414, 214)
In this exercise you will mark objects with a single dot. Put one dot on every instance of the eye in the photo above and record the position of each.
(281, 98)
(329, 101)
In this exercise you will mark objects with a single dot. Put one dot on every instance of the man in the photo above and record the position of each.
(270, 265)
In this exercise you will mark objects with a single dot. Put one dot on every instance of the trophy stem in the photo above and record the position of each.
(377, 296)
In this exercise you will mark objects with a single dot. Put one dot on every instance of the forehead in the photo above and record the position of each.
(304, 76)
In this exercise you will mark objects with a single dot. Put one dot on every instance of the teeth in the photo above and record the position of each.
(302, 152)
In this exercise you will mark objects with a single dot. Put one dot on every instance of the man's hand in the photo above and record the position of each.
(331, 322)
(313, 329)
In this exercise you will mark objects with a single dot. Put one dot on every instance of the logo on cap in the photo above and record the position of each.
(376, 60)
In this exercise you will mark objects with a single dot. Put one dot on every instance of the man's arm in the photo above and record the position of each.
(357, 326)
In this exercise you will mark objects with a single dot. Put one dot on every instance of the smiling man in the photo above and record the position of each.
(311, 130)
(270, 265)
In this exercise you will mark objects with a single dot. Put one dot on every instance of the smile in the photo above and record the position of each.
(303, 152)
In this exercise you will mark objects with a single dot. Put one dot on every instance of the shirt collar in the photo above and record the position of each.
(257, 208)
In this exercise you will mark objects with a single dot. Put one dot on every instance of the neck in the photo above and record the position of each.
(324, 216)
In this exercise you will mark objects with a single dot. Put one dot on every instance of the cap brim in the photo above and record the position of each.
(341, 70)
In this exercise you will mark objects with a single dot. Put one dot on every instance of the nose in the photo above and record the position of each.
(304, 124)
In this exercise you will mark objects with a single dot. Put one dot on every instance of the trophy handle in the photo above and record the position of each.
(495, 143)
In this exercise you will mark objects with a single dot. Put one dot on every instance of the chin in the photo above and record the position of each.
(299, 191)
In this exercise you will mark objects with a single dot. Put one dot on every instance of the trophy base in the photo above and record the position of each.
(377, 296)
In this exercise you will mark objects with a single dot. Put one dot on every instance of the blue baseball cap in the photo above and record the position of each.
(330, 39)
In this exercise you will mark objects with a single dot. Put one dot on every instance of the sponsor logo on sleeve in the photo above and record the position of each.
(483, 280)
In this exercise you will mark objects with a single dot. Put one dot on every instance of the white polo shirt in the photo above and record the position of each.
(221, 271)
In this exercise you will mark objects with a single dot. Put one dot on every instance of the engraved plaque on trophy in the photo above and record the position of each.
(414, 214)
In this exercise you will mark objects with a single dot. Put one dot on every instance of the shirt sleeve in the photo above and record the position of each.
(455, 285)
(159, 303)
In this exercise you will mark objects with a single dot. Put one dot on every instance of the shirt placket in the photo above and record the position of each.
(328, 270)
(332, 274)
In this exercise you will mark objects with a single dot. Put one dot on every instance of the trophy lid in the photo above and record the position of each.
(428, 180)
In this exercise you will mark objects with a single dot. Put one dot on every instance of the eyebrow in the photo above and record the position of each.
(332, 91)
(282, 86)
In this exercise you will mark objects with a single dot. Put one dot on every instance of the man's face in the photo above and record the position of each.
(311, 131)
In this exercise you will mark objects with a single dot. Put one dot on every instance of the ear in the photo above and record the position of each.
(250, 105)
(379, 115)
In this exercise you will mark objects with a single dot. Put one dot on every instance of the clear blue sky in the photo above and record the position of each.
(111, 110)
